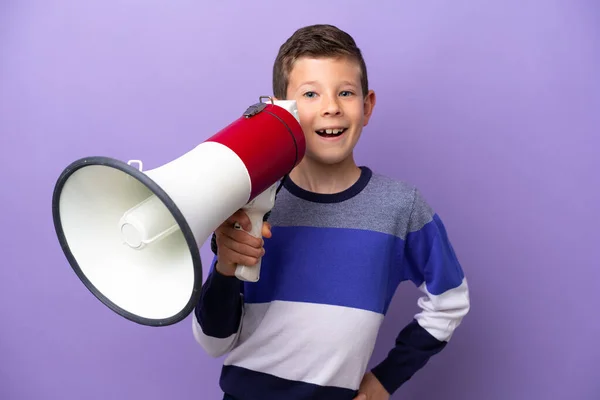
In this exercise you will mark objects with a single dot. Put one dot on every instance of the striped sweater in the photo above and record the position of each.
(307, 328)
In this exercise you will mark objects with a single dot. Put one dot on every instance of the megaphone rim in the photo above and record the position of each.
(167, 201)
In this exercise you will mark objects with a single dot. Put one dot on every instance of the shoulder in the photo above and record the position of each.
(398, 200)
(384, 185)
(403, 195)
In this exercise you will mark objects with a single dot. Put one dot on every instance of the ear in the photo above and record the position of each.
(369, 104)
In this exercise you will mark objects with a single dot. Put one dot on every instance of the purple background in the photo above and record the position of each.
(489, 109)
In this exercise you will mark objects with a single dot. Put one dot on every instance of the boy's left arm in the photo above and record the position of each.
(435, 269)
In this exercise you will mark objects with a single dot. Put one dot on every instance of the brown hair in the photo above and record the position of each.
(319, 40)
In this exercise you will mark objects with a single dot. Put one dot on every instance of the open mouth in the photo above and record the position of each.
(331, 132)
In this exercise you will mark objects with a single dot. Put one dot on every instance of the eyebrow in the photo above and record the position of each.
(349, 83)
(307, 83)
(315, 83)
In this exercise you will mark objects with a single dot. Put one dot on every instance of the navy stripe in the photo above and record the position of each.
(244, 384)
(431, 258)
(414, 347)
(356, 188)
(345, 267)
(219, 309)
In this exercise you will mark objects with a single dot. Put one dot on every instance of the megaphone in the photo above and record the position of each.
(133, 236)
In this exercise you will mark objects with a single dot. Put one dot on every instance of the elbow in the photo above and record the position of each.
(214, 352)
(466, 307)
(213, 346)
(461, 303)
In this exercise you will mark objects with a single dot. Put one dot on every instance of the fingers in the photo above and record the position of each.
(237, 246)
(241, 242)
(240, 236)
(233, 252)
(232, 257)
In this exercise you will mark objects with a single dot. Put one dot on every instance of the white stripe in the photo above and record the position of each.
(443, 313)
(215, 347)
(205, 199)
(313, 343)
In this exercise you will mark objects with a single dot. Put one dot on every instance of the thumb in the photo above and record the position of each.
(361, 396)
(266, 230)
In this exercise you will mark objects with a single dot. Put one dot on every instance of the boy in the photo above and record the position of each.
(342, 240)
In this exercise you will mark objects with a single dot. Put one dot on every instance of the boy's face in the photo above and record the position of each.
(331, 106)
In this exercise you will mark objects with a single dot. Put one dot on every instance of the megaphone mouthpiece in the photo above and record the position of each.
(146, 222)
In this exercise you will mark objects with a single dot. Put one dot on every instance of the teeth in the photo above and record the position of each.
(331, 131)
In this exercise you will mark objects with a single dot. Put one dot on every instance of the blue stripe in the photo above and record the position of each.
(352, 267)
(345, 267)
(244, 384)
(430, 257)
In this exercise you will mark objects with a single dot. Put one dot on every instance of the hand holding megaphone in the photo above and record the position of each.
(240, 244)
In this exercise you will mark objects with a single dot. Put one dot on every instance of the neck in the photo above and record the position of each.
(325, 178)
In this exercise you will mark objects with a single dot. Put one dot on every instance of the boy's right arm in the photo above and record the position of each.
(217, 316)
(220, 309)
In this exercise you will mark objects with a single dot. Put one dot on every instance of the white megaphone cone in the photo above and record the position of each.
(133, 237)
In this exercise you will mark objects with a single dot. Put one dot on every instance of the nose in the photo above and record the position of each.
(331, 106)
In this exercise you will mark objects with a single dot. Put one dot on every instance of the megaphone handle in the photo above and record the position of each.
(252, 273)
(256, 211)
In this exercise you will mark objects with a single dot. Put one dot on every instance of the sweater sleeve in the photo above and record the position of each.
(219, 312)
(430, 263)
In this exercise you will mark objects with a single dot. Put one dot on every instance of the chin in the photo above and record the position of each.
(328, 159)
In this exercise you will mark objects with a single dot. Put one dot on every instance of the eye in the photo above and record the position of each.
(346, 93)
(310, 94)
